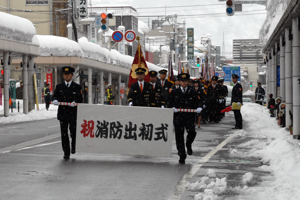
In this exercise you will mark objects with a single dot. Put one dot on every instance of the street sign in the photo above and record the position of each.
(190, 44)
(130, 36)
(117, 36)
(231, 70)
(222, 74)
(217, 74)
(98, 21)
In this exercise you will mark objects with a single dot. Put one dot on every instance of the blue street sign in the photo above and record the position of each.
(217, 74)
(231, 70)
(117, 36)
(278, 76)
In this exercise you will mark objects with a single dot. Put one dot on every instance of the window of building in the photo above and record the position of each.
(36, 2)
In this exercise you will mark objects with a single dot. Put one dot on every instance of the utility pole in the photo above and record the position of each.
(176, 41)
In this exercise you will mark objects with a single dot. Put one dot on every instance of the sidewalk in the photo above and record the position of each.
(16, 116)
(261, 162)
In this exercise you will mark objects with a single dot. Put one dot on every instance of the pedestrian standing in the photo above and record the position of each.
(185, 97)
(110, 96)
(259, 94)
(223, 95)
(70, 92)
(271, 105)
(47, 96)
(237, 98)
(139, 92)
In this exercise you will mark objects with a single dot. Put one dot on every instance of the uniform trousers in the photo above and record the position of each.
(65, 142)
(238, 119)
(184, 121)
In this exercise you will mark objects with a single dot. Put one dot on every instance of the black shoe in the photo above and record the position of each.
(217, 122)
(198, 126)
(66, 157)
(204, 122)
(237, 128)
(182, 161)
(73, 151)
(190, 151)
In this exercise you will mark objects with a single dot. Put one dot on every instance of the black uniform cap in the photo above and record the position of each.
(68, 70)
(235, 76)
(215, 78)
(153, 73)
(196, 81)
(163, 71)
(176, 78)
(140, 71)
(184, 76)
(220, 80)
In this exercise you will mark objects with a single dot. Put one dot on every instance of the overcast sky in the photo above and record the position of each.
(243, 25)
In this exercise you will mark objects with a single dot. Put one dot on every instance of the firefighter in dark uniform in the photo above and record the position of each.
(155, 95)
(199, 91)
(176, 83)
(184, 97)
(139, 93)
(237, 97)
(223, 95)
(259, 94)
(68, 91)
(166, 86)
(213, 94)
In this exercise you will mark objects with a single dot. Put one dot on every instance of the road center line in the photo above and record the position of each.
(28, 143)
(180, 188)
(39, 145)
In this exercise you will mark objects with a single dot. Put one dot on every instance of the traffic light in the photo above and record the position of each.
(198, 62)
(251, 84)
(104, 20)
(2, 72)
(230, 7)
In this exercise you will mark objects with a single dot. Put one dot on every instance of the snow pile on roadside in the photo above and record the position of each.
(16, 28)
(33, 115)
(279, 153)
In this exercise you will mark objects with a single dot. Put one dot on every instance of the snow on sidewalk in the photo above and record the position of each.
(277, 149)
(33, 115)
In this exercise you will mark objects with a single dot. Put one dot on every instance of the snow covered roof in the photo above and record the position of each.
(93, 51)
(58, 46)
(143, 27)
(16, 28)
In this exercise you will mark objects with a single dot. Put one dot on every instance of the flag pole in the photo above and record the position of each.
(139, 49)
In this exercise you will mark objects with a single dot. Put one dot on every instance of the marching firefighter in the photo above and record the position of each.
(199, 92)
(155, 94)
(223, 95)
(68, 91)
(47, 96)
(176, 83)
(139, 93)
(185, 97)
(165, 85)
(237, 98)
(213, 95)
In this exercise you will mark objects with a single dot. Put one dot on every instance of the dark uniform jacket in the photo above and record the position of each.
(200, 95)
(237, 93)
(187, 100)
(224, 91)
(213, 94)
(165, 90)
(62, 93)
(259, 94)
(137, 97)
(156, 96)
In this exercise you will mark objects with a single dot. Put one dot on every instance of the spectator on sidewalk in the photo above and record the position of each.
(271, 105)
(281, 115)
(259, 94)
(278, 101)
(47, 96)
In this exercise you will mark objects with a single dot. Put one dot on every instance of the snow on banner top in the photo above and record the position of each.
(16, 28)
(58, 46)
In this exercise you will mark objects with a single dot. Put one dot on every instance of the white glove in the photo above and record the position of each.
(55, 102)
(199, 110)
(72, 104)
(130, 104)
(239, 104)
(204, 106)
(261, 99)
(220, 100)
(162, 106)
(175, 110)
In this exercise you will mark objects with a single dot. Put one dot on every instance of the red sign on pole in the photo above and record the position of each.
(49, 78)
(130, 36)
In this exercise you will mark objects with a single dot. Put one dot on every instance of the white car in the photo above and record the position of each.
(245, 100)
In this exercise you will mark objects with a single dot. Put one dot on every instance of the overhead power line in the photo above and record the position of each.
(181, 6)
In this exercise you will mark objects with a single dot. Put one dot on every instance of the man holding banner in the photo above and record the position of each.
(68, 91)
(185, 97)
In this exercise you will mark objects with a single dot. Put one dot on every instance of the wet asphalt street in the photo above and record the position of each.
(32, 166)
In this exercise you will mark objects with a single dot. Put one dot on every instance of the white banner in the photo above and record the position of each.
(124, 130)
